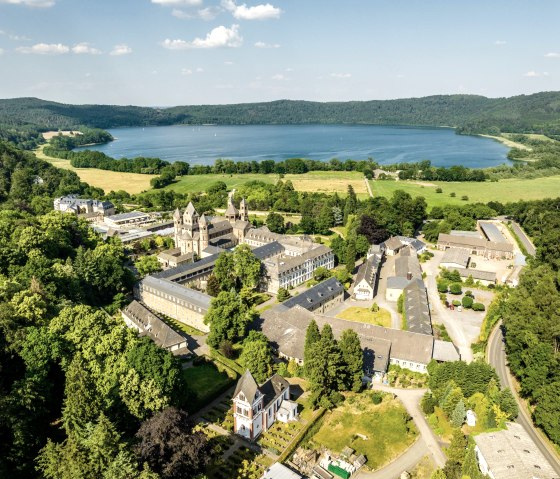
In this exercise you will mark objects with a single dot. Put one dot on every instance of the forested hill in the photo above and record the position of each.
(539, 112)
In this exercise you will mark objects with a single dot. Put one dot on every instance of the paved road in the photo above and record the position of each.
(411, 401)
(368, 187)
(496, 356)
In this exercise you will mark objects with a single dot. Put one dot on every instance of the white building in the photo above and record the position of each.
(279, 471)
(367, 277)
(511, 454)
(256, 408)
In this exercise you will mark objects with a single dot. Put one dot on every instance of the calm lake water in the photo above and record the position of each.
(203, 144)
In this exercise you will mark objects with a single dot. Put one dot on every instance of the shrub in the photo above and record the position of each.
(452, 194)
(226, 348)
(478, 307)
(456, 302)
(374, 307)
(465, 198)
(376, 398)
(469, 293)
(439, 190)
(455, 288)
(428, 403)
(283, 295)
(467, 302)
(442, 286)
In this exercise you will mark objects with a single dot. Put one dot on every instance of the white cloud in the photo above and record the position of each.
(289, 69)
(120, 49)
(258, 12)
(186, 71)
(267, 45)
(199, 70)
(45, 49)
(340, 75)
(500, 42)
(228, 63)
(552, 55)
(532, 74)
(1, 51)
(219, 37)
(30, 3)
(278, 77)
(85, 48)
(17, 38)
(208, 13)
(176, 3)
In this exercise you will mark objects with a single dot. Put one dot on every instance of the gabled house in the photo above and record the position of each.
(256, 408)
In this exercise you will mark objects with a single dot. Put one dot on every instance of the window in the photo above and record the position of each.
(511, 466)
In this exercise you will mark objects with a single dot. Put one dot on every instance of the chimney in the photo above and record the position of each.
(409, 275)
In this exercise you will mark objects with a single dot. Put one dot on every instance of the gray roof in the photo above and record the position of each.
(472, 234)
(286, 263)
(316, 295)
(155, 328)
(512, 454)
(268, 250)
(188, 270)
(231, 209)
(248, 386)
(273, 388)
(286, 329)
(368, 270)
(127, 216)
(416, 308)
(279, 471)
(476, 274)
(471, 242)
(397, 282)
(414, 242)
(492, 232)
(445, 351)
(191, 210)
(456, 256)
(405, 264)
(177, 291)
(393, 243)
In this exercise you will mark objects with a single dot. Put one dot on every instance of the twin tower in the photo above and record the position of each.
(194, 233)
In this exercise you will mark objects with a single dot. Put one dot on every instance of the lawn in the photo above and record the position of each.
(132, 183)
(380, 432)
(206, 382)
(365, 315)
(504, 190)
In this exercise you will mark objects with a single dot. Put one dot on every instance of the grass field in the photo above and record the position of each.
(385, 430)
(107, 180)
(365, 315)
(504, 190)
(206, 382)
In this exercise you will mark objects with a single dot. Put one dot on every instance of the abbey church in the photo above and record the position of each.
(194, 233)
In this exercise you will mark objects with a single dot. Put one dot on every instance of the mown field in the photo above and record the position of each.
(132, 183)
(504, 190)
(314, 181)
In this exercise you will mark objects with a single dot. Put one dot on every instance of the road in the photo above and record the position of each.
(368, 187)
(496, 356)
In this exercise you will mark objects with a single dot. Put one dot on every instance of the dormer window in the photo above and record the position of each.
(242, 397)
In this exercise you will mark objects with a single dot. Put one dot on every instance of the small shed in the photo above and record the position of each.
(471, 418)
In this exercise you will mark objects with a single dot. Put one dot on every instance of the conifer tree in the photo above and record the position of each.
(353, 357)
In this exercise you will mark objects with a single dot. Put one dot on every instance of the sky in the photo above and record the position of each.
(185, 52)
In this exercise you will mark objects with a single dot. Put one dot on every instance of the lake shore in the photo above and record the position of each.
(507, 142)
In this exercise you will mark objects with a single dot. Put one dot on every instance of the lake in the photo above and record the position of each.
(201, 145)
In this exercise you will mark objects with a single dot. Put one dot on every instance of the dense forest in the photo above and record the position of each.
(81, 395)
(537, 113)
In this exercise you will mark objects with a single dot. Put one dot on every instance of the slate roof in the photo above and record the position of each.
(512, 454)
(416, 308)
(492, 232)
(286, 329)
(285, 263)
(231, 209)
(187, 269)
(273, 388)
(196, 298)
(397, 282)
(248, 386)
(321, 292)
(153, 326)
(405, 264)
(268, 250)
(368, 270)
(127, 216)
(456, 256)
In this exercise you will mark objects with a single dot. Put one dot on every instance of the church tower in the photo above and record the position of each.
(204, 234)
(243, 210)
(190, 218)
(177, 224)
(231, 214)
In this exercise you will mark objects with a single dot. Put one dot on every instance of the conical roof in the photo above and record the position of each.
(243, 203)
(231, 209)
(248, 386)
(203, 220)
(177, 214)
(191, 210)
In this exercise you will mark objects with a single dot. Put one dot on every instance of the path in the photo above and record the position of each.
(496, 356)
(411, 400)
(368, 187)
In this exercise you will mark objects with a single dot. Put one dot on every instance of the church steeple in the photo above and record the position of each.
(232, 214)
(243, 210)
(190, 217)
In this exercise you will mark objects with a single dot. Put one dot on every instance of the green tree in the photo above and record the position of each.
(325, 220)
(470, 464)
(350, 257)
(147, 265)
(247, 266)
(224, 271)
(283, 295)
(455, 288)
(312, 336)
(257, 356)
(508, 404)
(458, 414)
(228, 318)
(275, 222)
(213, 285)
(353, 358)
(547, 410)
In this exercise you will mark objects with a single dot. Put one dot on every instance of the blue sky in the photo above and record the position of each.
(176, 52)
